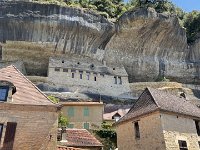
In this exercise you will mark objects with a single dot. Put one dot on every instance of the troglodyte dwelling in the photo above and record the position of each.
(159, 121)
(28, 119)
(83, 115)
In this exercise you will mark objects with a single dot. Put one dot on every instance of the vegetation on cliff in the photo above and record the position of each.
(114, 8)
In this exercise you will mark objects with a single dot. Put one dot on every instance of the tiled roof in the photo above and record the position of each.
(81, 138)
(153, 99)
(67, 148)
(27, 92)
(80, 103)
(109, 116)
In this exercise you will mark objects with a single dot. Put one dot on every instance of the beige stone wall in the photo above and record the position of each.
(151, 135)
(179, 128)
(95, 117)
(34, 128)
(104, 85)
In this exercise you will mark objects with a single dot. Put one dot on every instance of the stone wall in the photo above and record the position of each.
(104, 84)
(151, 134)
(36, 126)
(95, 117)
(176, 127)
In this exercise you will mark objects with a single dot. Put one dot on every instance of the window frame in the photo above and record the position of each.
(6, 96)
(197, 125)
(137, 130)
(86, 127)
(70, 125)
(182, 146)
(57, 69)
(1, 130)
(86, 112)
(70, 112)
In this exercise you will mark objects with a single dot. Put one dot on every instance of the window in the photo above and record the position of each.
(1, 130)
(88, 76)
(70, 125)
(182, 145)
(71, 111)
(9, 135)
(137, 130)
(72, 75)
(57, 69)
(65, 70)
(86, 125)
(95, 78)
(115, 80)
(120, 80)
(86, 112)
(81, 76)
(197, 124)
(4, 93)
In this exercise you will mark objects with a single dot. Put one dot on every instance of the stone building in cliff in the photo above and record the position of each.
(159, 121)
(83, 115)
(89, 77)
(28, 119)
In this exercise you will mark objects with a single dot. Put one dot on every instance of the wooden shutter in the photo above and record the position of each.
(9, 136)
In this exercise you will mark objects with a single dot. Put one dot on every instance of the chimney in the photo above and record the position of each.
(63, 135)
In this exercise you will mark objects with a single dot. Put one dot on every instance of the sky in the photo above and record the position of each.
(186, 5)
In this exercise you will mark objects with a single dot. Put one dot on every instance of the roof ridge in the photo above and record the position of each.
(32, 84)
(149, 89)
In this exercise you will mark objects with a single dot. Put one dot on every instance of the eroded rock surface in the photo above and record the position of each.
(150, 45)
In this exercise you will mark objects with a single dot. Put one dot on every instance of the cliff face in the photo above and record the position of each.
(68, 31)
(150, 45)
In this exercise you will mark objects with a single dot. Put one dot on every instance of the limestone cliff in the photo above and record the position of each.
(65, 29)
(150, 45)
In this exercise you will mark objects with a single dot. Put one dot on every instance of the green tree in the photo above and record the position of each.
(62, 120)
(191, 22)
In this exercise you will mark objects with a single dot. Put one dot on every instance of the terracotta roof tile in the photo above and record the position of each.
(153, 99)
(27, 92)
(109, 116)
(81, 138)
(67, 148)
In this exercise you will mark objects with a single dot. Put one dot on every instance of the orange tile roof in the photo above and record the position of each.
(81, 138)
(27, 92)
(67, 148)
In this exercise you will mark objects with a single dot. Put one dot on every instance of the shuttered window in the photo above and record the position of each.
(86, 125)
(9, 136)
(1, 130)
(86, 111)
(71, 112)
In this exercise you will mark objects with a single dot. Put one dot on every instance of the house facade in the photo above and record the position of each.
(28, 119)
(83, 115)
(159, 121)
(89, 77)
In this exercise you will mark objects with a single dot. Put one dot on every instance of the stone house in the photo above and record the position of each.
(159, 121)
(28, 119)
(89, 77)
(114, 116)
(80, 138)
(87, 115)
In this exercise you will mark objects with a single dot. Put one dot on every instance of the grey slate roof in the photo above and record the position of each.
(154, 99)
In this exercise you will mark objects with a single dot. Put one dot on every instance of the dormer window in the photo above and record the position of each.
(7, 89)
(4, 93)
